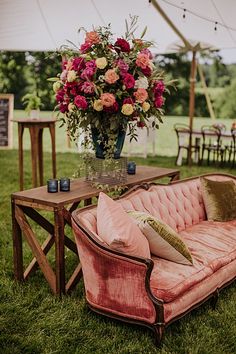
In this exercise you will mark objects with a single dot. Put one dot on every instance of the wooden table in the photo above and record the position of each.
(26, 203)
(36, 127)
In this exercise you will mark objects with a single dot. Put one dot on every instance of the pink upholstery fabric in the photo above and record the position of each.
(112, 282)
(199, 292)
(118, 230)
(212, 245)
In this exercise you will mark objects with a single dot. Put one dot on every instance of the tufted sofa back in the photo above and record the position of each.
(180, 204)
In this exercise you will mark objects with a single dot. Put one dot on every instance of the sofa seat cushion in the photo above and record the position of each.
(212, 245)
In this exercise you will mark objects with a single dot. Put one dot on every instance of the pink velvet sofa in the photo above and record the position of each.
(155, 292)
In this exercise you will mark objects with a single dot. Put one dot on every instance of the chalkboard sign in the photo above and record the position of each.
(6, 116)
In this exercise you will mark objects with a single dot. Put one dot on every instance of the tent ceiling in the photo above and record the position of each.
(45, 25)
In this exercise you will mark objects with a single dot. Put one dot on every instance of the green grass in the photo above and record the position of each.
(32, 320)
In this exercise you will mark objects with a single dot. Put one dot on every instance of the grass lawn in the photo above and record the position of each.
(32, 320)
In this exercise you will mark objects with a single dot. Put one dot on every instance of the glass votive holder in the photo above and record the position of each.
(64, 184)
(131, 168)
(52, 185)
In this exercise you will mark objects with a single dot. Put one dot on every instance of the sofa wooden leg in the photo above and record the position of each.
(215, 299)
(159, 333)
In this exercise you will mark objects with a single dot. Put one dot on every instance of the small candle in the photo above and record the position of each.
(131, 168)
(64, 184)
(52, 185)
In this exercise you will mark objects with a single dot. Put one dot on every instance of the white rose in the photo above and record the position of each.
(142, 82)
(71, 75)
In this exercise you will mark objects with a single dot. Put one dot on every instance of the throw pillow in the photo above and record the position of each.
(219, 198)
(116, 228)
(164, 242)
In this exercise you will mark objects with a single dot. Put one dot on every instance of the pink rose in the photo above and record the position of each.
(91, 64)
(71, 88)
(88, 87)
(78, 64)
(142, 60)
(92, 37)
(123, 66)
(159, 88)
(84, 48)
(141, 95)
(111, 76)
(147, 52)
(87, 73)
(159, 101)
(128, 81)
(122, 45)
(113, 109)
(81, 102)
(128, 100)
(108, 99)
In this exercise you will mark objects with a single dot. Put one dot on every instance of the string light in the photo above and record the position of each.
(216, 23)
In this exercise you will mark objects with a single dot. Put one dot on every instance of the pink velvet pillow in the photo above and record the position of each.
(118, 230)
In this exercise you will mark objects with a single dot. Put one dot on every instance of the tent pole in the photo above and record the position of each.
(206, 93)
(191, 103)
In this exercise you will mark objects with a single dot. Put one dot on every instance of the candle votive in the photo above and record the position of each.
(64, 184)
(131, 168)
(52, 185)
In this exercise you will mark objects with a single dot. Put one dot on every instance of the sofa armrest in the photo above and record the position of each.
(115, 283)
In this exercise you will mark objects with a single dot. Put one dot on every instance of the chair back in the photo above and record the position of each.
(183, 133)
(211, 135)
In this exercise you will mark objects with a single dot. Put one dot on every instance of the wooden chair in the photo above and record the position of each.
(212, 144)
(231, 149)
(183, 133)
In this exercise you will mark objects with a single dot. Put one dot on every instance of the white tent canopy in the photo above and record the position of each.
(40, 25)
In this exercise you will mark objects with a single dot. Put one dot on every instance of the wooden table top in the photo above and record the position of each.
(34, 121)
(81, 189)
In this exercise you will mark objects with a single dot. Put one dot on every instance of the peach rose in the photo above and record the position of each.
(141, 95)
(146, 106)
(111, 76)
(142, 60)
(108, 99)
(92, 37)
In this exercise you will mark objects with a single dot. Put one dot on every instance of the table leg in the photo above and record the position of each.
(20, 152)
(34, 153)
(60, 251)
(53, 139)
(17, 246)
(40, 152)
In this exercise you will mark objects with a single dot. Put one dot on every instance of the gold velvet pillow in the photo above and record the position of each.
(219, 199)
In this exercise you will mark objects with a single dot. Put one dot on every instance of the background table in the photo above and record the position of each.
(26, 203)
(36, 127)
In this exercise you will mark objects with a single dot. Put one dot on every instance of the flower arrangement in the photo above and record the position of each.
(110, 85)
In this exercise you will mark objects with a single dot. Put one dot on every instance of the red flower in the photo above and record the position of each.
(128, 81)
(113, 109)
(128, 100)
(60, 95)
(63, 107)
(159, 101)
(78, 64)
(159, 88)
(122, 45)
(141, 124)
(81, 102)
(85, 47)
(147, 71)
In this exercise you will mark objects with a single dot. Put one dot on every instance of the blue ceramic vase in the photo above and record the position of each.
(100, 149)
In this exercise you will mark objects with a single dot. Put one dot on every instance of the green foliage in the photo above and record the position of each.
(31, 101)
(225, 103)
